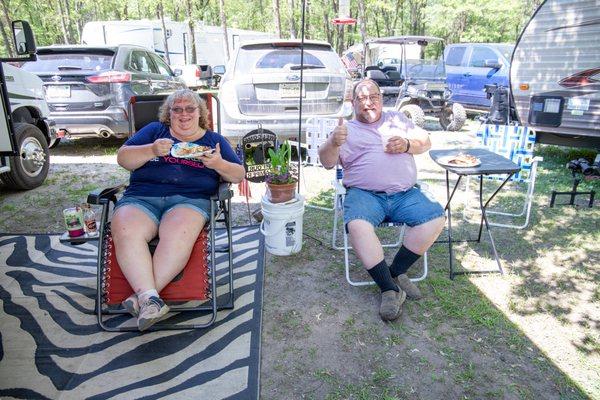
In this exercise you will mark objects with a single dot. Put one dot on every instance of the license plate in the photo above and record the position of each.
(58, 91)
(291, 90)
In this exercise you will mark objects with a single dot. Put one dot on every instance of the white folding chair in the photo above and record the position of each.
(516, 143)
(317, 132)
(340, 194)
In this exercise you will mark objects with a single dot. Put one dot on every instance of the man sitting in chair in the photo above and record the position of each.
(168, 195)
(376, 151)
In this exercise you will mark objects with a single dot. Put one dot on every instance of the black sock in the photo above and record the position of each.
(381, 275)
(402, 261)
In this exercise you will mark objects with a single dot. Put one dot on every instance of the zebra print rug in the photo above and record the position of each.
(51, 346)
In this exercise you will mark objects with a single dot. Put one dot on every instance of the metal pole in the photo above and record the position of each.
(300, 105)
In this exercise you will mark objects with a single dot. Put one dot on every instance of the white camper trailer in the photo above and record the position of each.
(144, 33)
(555, 73)
(210, 43)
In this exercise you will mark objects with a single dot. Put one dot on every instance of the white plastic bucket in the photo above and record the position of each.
(282, 226)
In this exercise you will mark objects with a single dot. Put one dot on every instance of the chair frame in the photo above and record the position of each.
(108, 197)
(340, 194)
(527, 204)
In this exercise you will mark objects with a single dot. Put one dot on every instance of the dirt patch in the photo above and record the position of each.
(530, 334)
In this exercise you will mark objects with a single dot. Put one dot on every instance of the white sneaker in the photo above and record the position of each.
(151, 311)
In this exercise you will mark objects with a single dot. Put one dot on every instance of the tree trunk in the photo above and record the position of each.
(161, 14)
(192, 29)
(293, 32)
(7, 44)
(68, 22)
(63, 23)
(224, 25)
(277, 17)
(306, 19)
(362, 19)
(326, 23)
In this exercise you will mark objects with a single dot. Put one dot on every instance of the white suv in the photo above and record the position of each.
(262, 86)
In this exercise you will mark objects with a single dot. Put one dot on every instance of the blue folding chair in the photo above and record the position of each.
(516, 143)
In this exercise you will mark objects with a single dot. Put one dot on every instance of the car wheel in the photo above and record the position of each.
(415, 114)
(28, 169)
(453, 118)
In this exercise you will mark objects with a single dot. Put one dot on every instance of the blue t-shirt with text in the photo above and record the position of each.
(168, 175)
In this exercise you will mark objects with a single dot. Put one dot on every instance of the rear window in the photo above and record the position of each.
(266, 58)
(57, 62)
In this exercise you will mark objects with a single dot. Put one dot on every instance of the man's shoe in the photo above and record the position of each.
(412, 291)
(151, 311)
(391, 304)
(131, 305)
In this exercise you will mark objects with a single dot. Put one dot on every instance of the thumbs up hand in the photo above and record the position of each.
(340, 133)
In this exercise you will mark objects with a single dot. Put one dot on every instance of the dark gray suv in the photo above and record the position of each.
(87, 88)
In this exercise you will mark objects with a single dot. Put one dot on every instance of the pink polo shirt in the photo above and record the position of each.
(367, 166)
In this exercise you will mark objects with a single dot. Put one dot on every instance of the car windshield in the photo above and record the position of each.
(267, 58)
(84, 62)
(422, 61)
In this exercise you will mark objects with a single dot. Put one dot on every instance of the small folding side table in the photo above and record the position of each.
(491, 164)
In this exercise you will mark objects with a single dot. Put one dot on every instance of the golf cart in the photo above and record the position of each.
(410, 69)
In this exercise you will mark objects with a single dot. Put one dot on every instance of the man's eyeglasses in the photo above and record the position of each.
(375, 98)
(188, 109)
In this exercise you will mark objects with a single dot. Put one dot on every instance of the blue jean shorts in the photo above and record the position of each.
(156, 207)
(412, 207)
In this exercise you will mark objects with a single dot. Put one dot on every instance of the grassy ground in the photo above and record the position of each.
(532, 333)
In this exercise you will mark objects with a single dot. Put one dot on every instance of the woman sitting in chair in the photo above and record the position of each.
(167, 196)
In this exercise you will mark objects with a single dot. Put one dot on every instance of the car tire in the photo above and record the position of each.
(415, 114)
(453, 118)
(29, 169)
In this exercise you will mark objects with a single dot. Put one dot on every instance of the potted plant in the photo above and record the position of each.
(280, 179)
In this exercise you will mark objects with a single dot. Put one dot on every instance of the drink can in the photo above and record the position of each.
(74, 221)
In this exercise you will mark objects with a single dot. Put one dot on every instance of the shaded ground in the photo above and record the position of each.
(530, 334)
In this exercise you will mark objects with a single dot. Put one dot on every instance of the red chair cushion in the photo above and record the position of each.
(192, 284)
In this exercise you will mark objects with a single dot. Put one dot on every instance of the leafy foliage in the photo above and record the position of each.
(61, 21)
(280, 172)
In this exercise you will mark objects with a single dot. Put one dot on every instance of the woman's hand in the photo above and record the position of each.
(162, 147)
(213, 159)
(230, 172)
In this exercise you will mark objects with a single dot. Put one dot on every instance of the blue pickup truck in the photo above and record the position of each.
(471, 66)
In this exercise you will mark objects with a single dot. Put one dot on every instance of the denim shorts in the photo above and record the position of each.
(412, 207)
(156, 207)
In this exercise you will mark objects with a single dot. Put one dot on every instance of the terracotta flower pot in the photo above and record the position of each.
(279, 193)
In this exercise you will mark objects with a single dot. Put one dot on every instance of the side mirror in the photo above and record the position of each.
(177, 72)
(218, 70)
(492, 64)
(23, 38)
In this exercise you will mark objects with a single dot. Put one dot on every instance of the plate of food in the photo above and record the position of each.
(190, 150)
(459, 160)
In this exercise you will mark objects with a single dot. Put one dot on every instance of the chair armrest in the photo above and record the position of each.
(422, 185)
(101, 196)
(338, 187)
(223, 193)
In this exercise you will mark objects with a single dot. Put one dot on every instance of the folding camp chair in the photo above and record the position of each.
(197, 282)
(515, 143)
(196, 286)
(340, 194)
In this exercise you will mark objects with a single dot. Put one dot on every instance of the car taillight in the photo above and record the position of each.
(110, 77)
(197, 72)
